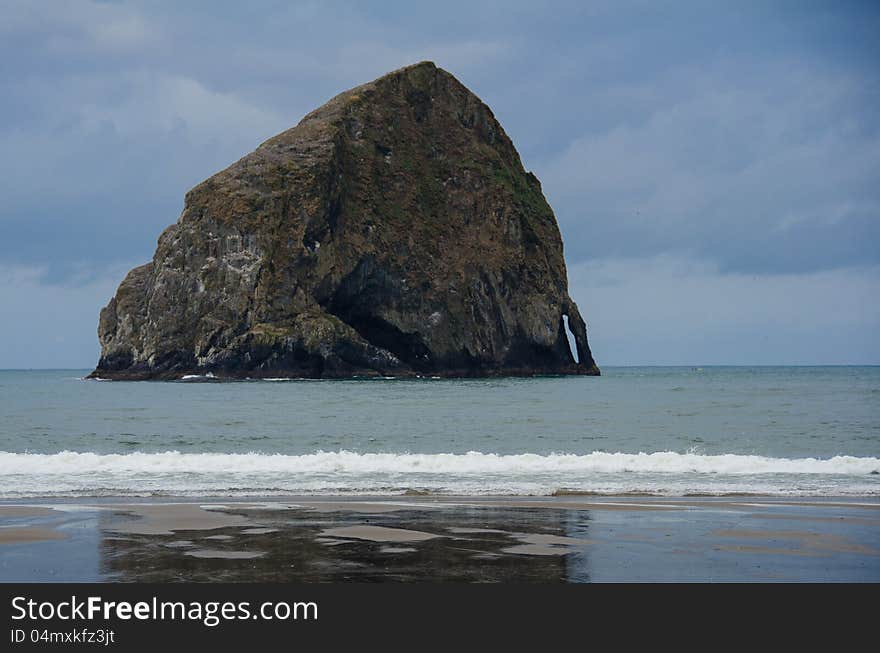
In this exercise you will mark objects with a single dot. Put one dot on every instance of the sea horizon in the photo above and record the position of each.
(608, 365)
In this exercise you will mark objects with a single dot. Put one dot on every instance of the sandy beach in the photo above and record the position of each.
(567, 539)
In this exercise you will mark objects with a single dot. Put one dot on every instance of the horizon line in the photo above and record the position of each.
(691, 365)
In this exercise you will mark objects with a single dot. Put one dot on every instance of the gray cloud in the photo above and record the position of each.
(667, 310)
(758, 176)
(745, 138)
(51, 325)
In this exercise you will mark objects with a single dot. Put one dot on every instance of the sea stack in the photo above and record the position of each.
(392, 232)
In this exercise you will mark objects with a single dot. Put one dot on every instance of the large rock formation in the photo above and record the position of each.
(393, 231)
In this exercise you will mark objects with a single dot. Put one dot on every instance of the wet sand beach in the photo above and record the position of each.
(441, 539)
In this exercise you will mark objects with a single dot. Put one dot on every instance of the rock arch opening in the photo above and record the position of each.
(572, 343)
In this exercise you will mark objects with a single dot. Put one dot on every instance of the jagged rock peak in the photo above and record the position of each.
(393, 231)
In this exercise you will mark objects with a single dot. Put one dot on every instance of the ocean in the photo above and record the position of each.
(668, 431)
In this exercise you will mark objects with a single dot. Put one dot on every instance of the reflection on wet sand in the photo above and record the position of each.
(307, 544)
(549, 539)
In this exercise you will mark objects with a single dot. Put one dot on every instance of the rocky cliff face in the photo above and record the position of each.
(393, 231)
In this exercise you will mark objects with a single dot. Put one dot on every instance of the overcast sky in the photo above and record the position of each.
(714, 167)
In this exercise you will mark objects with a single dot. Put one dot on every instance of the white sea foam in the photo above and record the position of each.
(473, 462)
(172, 472)
(194, 377)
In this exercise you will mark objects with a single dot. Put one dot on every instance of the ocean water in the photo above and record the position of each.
(658, 430)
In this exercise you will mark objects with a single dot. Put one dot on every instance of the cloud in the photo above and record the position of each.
(743, 137)
(104, 169)
(79, 27)
(171, 103)
(669, 310)
(51, 325)
(778, 173)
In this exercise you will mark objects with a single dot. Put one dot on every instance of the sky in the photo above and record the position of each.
(714, 166)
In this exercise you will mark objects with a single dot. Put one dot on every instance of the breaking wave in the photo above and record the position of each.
(70, 473)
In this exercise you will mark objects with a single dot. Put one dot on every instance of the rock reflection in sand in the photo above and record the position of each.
(332, 541)
(522, 539)
(225, 555)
